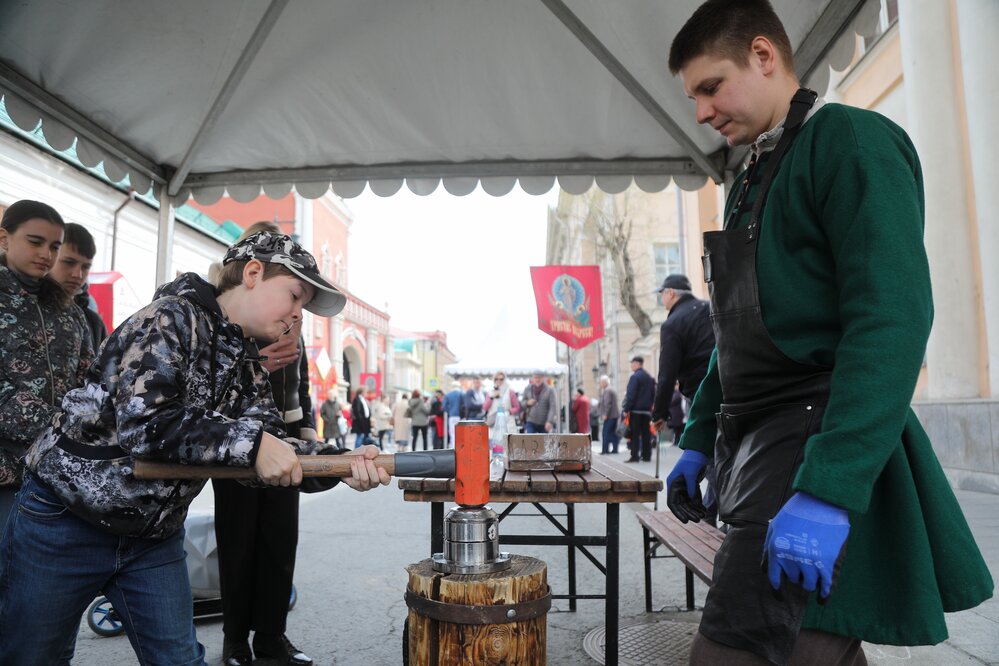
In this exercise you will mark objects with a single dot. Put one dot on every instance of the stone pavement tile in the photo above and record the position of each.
(937, 655)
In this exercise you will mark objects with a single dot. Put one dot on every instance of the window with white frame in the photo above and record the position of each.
(666, 260)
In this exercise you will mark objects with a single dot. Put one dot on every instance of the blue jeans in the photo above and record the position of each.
(534, 428)
(53, 564)
(608, 438)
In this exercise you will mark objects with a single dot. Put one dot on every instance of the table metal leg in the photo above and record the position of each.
(690, 589)
(611, 609)
(436, 527)
(647, 556)
(570, 514)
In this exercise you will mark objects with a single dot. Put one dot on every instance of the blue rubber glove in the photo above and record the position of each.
(683, 491)
(806, 541)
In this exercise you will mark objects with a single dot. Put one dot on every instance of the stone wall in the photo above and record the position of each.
(965, 436)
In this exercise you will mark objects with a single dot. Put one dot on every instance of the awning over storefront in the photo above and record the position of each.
(244, 96)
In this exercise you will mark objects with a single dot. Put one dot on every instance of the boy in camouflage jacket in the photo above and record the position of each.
(179, 381)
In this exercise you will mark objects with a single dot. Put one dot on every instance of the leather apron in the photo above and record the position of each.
(771, 405)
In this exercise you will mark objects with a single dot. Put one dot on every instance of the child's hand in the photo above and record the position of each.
(277, 463)
(280, 354)
(364, 475)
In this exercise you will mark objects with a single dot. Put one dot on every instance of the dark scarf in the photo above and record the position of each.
(31, 285)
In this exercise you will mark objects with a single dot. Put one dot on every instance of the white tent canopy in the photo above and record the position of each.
(459, 370)
(233, 96)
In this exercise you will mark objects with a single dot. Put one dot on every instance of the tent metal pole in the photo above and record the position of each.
(228, 88)
(631, 84)
(164, 239)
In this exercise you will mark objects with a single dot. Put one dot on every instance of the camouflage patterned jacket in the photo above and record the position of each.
(176, 382)
(45, 351)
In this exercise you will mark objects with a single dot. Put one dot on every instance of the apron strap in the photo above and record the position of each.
(802, 101)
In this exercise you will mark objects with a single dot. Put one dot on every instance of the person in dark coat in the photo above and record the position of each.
(637, 408)
(686, 341)
(360, 418)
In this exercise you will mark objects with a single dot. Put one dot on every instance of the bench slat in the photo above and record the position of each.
(694, 544)
(710, 536)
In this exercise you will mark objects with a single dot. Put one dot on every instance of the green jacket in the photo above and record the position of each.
(844, 282)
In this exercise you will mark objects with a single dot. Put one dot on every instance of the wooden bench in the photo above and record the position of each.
(694, 544)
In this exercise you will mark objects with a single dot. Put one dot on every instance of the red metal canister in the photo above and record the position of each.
(471, 455)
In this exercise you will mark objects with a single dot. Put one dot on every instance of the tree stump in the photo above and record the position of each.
(497, 619)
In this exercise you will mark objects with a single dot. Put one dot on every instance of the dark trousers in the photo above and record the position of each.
(812, 648)
(420, 430)
(608, 440)
(257, 534)
(641, 436)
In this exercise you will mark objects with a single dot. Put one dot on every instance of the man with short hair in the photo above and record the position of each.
(685, 344)
(637, 408)
(821, 305)
(72, 269)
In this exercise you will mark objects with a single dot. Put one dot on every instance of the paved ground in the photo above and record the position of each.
(351, 579)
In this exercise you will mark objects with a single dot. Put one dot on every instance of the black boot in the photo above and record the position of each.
(280, 650)
(236, 652)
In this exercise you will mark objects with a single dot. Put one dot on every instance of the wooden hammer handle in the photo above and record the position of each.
(311, 466)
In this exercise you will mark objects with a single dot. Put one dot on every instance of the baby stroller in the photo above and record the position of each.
(202, 569)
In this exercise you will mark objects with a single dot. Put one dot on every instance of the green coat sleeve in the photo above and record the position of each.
(870, 207)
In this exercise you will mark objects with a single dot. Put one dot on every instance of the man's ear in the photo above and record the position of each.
(4, 240)
(253, 273)
(764, 55)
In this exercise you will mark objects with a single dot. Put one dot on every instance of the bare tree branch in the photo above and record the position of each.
(614, 233)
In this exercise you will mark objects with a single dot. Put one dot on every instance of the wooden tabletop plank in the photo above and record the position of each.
(502, 496)
(516, 482)
(595, 482)
(411, 484)
(570, 482)
(646, 483)
(619, 480)
(543, 482)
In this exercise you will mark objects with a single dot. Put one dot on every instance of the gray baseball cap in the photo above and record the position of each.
(273, 248)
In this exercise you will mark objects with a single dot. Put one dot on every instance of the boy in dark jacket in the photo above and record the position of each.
(179, 381)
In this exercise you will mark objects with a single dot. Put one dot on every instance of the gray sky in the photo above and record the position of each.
(458, 264)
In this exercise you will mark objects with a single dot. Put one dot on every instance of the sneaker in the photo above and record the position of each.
(280, 650)
(236, 652)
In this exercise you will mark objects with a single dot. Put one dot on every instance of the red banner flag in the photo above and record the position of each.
(570, 303)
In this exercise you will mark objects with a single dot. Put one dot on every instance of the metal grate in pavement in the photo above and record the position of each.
(655, 643)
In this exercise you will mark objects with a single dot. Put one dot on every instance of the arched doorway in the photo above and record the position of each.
(353, 366)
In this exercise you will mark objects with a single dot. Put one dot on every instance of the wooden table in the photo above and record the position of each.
(606, 483)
